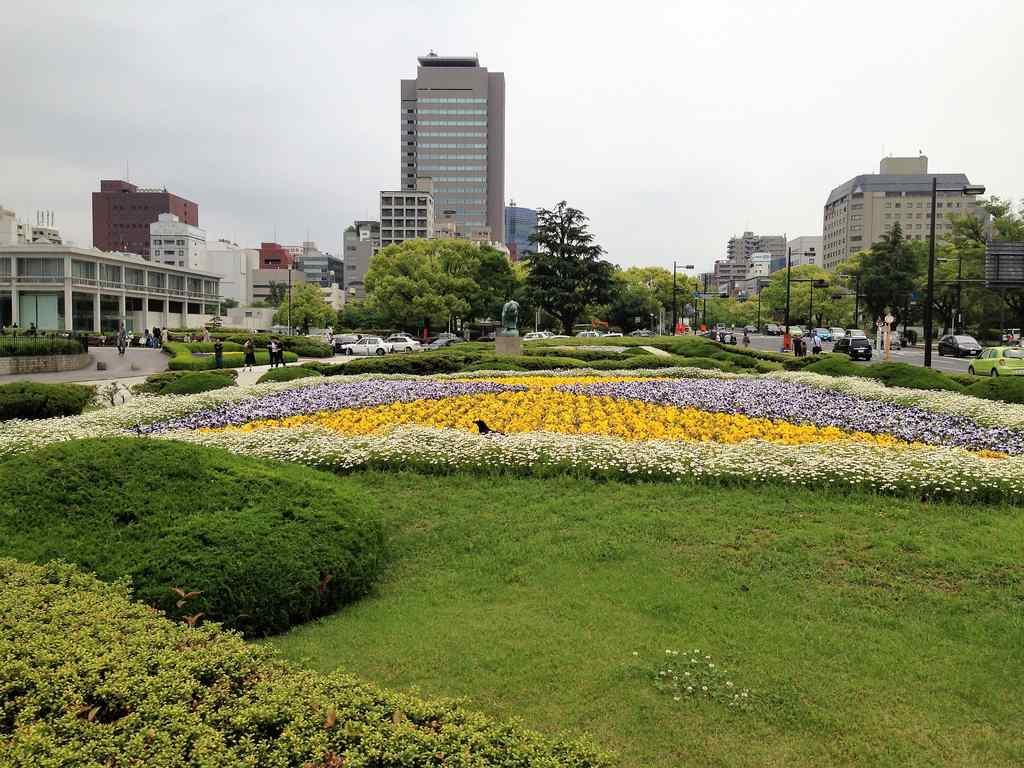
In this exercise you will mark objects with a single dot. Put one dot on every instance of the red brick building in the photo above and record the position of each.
(122, 213)
(274, 256)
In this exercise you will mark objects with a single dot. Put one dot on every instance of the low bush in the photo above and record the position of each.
(27, 400)
(536, 363)
(92, 678)
(303, 346)
(198, 381)
(23, 346)
(912, 376)
(418, 363)
(182, 358)
(288, 374)
(206, 347)
(834, 365)
(157, 383)
(1005, 388)
(256, 545)
(579, 353)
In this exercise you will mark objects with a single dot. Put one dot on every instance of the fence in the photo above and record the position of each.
(29, 345)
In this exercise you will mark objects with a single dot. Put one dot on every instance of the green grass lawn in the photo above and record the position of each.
(873, 631)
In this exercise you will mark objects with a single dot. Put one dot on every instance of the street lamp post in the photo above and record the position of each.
(789, 275)
(930, 296)
(759, 311)
(675, 318)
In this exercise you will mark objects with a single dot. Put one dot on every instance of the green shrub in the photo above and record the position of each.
(27, 400)
(493, 365)
(157, 382)
(303, 346)
(288, 374)
(92, 678)
(834, 365)
(198, 381)
(263, 545)
(1009, 389)
(904, 375)
(32, 347)
(578, 353)
(536, 363)
(182, 358)
(965, 379)
(207, 346)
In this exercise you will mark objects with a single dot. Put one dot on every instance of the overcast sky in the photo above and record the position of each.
(672, 125)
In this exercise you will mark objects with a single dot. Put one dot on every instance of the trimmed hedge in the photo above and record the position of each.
(1008, 389)
(834, 365)
(262, 545)
(92, 678)
(182, 358)
(912, 376)
(288, 374)
(158, 383)
(303, 346)
(27, 400)
(29, 347)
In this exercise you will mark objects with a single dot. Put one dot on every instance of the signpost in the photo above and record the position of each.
(889, 319)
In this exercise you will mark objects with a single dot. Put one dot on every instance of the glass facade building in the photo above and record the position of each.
(520, 223)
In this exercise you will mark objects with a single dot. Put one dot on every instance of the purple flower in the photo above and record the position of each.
(803, 404)
(330, 396)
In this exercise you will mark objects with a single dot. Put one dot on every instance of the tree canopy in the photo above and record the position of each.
(309, 308)
(427, 282)
(567, 272)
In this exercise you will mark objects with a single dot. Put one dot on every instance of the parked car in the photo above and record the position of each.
(824, 334)
(642, 332)
(772, 330)
(837, 333)
(795, 330)
(368, 345)
(589, 334)
(725, 337)
(612, 335)
(440, 343)
(341, 339)
(857, 347)
(403, 344)
(999, 361)
(750, 328)
(959, 346)
(536, 335)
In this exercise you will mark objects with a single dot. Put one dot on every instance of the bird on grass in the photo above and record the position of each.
(483, 429)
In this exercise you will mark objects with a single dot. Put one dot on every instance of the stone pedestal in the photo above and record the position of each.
(508, 345)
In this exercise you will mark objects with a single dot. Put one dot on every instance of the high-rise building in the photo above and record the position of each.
(739, 249)
(803, 250)
(859, 212)
(453, 131)
(520, 223)
(174, 242)
(122, 213)
(361, 241)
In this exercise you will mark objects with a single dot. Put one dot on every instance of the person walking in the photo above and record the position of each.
(250, 354)
(218, 353)
(272, 353)
(122, 340)
(816, 344)
(280, 351)
(746, 338)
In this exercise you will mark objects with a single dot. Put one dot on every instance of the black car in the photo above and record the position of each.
(772, 330)
(856, 348)
(959, 346)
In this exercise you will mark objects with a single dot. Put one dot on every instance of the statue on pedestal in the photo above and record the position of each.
(510, 318)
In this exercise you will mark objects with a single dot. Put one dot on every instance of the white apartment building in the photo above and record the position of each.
(759, 264)
(235, 266)
(406, 215)
(171, 241)
(806, 249)
(14, 232)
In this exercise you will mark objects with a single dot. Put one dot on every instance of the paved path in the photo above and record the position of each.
(139, 362)
(656, 351)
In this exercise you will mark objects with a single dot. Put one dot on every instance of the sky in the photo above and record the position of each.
(673, 126)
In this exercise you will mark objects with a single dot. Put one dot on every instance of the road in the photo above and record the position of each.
(911, 355)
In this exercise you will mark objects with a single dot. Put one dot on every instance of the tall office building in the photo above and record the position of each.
(520, 223)
(860, 211)
(453, 131)
(122, 213)
(803, 250)
(739, 249)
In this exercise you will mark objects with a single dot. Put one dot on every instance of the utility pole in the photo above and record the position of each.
(789, 274)
(289, 299)
(705, 298)
(674, 311)
(930, 297)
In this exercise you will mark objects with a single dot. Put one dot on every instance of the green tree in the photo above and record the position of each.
(278, 293)
(831, 305)
(357, 314)
(890, 273)
(309, 309)
(633, 303)
(567, 273)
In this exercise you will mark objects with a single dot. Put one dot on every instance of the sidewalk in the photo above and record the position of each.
(135, 363)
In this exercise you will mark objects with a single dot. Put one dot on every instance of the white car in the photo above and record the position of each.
(856, 333)
(589, 335)
(403, 344)
(368, 345)
(837, 333)
(536, 335)
(614, 335)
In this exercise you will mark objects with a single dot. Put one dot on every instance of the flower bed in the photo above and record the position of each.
(671, 423)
